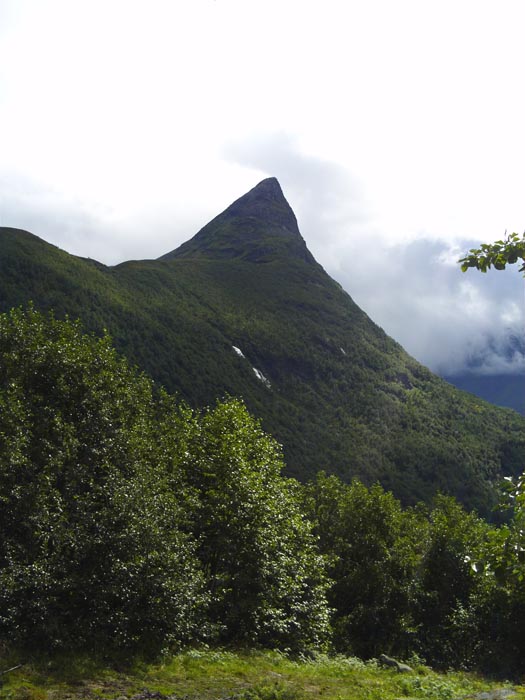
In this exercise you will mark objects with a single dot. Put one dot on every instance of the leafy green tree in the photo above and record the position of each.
(265, 576)
(498, 603)
(373, 548)
(449, 578)
(91, 545)
(500, 606)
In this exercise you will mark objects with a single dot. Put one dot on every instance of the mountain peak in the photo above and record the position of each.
(260, 226)
(269, 187)
(267, 203)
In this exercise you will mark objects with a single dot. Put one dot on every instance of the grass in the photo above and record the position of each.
(226, 675)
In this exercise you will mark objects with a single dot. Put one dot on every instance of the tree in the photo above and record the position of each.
(264, 574)
(448, 579)
(374, 548)
(92, 551)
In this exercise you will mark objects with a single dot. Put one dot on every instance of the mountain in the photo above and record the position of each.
(500, 389)
(244, 309)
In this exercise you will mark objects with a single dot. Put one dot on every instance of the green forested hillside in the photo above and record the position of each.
(243, 309)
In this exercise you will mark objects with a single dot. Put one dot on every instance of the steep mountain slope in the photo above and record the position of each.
(244, 309)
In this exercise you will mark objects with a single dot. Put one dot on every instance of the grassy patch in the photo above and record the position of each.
(226, 675)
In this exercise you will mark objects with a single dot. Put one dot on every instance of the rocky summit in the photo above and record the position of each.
(257, 227)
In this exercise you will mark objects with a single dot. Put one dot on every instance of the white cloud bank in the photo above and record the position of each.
(450, 321)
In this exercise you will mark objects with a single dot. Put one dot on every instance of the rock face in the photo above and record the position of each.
(385, 660)
(258, 227)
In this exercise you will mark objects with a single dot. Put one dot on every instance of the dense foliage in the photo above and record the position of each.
(439, 583)
(373, 548)
(127, 521)
(264, 573)
(91, 546)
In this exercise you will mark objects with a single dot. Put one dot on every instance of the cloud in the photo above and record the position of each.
(415, 290)
(92, 229)
(29, 205)
(450, 321)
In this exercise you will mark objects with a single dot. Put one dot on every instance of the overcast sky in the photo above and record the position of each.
(396, 130)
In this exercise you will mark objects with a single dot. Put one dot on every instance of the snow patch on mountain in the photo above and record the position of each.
(260, 376)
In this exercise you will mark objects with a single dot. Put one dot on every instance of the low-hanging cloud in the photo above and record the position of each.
(450, 321)
(29, 205)
(88, 229)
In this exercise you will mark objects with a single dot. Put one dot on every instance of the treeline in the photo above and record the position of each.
(129, 522)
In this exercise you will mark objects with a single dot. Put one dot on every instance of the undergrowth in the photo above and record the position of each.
(228, 675)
